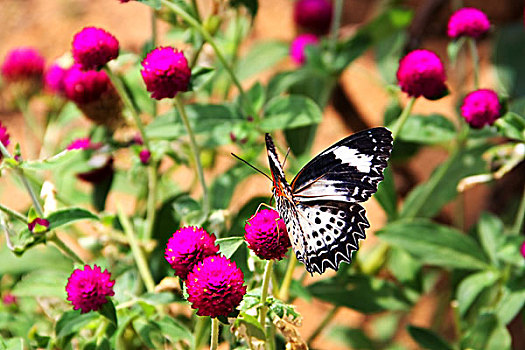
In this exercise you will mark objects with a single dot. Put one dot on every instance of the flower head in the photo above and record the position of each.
(187, 247)
(4, 137)
(215, 286)
(522, 250)
(266, 235)
(54, 79)
(313, 15)
(23, 63)
(421, 73)
(89, 289)
(166, 72)
(94, 47)
(85, 86)
(480, 108)
(9, 299)
(38, 225)
(83, 143)
(299, 44)
(468, 21)
(145, 156)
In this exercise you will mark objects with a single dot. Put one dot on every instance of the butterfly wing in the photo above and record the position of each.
(348, 171)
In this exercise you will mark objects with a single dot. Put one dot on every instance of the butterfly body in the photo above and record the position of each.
(320, 207)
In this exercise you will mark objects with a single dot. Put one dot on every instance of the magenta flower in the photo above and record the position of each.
(215, 286)
(54, 79)
(89, 289)
(166, 72)
(94, 47)
(313, 15)
(266, 235)
(85, 86)
(4, 137)
(187, 247)
(480, 108)
(469, 22)
(145, 156)
(23, 63)
(41, 225)
(83, 143)
(9, 299)
(421, 73)
(523, 249)
(299, 44)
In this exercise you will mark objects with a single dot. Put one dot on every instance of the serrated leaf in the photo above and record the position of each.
(288, 112)
(427, 339)
(435, 244)
(228, 246)
(472, 286)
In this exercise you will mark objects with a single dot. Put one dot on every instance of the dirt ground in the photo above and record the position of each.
(50, 24)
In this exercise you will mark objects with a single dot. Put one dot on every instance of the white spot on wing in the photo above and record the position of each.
(352, 156)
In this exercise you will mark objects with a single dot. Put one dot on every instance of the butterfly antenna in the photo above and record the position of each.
(251, 166)
(286, 156)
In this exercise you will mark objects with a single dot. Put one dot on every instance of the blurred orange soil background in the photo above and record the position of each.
(49, 25)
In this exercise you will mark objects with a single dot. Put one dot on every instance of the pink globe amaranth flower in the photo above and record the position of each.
(89, 289)
(480, 108)
(145, 156)
(187, 247)
(54, 79)
(94, 47)
(313, 15)
(266, 235)
(95, 96)
(166, 72)
(299, 44)
(421, 73)
(215, 286)
(469, 22)
(522, 250)
(4, 138)
(82, 143)
(40, 222)
(9, 299)
(23, 63)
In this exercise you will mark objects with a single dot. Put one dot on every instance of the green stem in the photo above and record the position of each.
(403, 117)
(196, 155)
(200, 327)
(284, 292)
(119, 86)
(214, 341)
(152, 197)
(327, 319)
(475, 61)
(138, 255)
(457, 319)
(336, 23)
(520, 215)
(207, 36)
(264, 292)
(29, 189)
(13, 213)
(64, 248)
(154, 40)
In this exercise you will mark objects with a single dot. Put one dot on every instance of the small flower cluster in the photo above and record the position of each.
(266, 235)
(215, 285)
(89, 289)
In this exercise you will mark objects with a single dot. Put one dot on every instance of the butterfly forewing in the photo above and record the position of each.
(320, 209)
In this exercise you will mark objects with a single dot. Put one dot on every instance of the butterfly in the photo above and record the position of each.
(320, 207)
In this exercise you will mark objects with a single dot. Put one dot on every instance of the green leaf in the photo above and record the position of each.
(13, 344)
(512, 301)
(428, 339)
(428, 198)
(256, 97)
(174, 330)
(72, 322)
(68, 216)
(435, 244)
(388, 52)
(472, 286)
(287, 112)
(512, 125)
(261, 57)
(248, 326)
(386, 194)
(430, 129)
(60, 159)
(353, 338)
(157, 298)
(490, 232)
(222, 188)
(108, 311)
(156, 4)
(148, 331)
(404, 266)
(228, 246)
(43, 283)
(486, 333)
(41, 258)
(360, 292)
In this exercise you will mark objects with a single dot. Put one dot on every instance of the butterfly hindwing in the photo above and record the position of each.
(348, 171)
